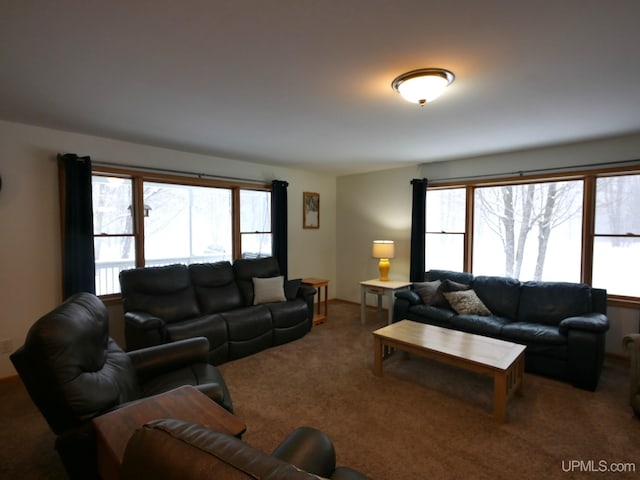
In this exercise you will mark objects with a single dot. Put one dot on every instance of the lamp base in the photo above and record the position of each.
(383, 266)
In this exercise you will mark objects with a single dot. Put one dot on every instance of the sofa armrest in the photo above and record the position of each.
(305, 291)
(410, 296)
(310, 450)
(308, 295)
(590, 322)
(142, 330)
(143, 320)
(152, 361)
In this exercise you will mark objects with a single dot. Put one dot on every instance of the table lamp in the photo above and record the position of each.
(383, 250)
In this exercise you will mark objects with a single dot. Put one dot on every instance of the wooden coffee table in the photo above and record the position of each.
(504, 361)
(114, 429)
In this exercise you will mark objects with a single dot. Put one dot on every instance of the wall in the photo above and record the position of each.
(30, 282)
(378, 205)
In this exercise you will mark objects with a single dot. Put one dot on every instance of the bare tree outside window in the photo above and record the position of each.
(532, 230)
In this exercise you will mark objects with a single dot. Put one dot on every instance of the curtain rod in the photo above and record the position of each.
(521, 173)
(179, 172)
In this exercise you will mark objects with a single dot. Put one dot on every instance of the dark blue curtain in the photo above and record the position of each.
(279, 224)
(78, 259)
(418, 229)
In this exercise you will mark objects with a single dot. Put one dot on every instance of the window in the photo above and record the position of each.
(255, 224)
(445, 234)
(616, 247)
(578, 227)
(530, 232)
(186, 224)
(113, 230)
(157, 220)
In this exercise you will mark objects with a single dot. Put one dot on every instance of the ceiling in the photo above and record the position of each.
(306, 83)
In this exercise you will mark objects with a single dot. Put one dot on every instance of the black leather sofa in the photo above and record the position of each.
(170, 449)
(216, 301)
(74, 371)
(563, 325)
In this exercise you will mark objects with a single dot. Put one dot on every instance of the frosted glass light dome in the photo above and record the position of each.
(424, 85)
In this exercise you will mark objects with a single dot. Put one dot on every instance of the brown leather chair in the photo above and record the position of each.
(74, 371)
(632, 344)
(171, 449)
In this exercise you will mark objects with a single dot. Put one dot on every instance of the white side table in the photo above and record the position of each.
(381, 289)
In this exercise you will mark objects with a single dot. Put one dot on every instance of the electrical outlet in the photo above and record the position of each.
(6, 345)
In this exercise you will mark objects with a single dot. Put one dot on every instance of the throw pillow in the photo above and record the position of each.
(466, 302)
(268, 290)
(291, 288)
(451, 286)
(429, 292)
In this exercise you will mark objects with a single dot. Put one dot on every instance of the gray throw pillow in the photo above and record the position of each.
(268, 290)
(429, 292)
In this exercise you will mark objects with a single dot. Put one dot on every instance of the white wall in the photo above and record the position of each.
(378, 205)
(30, 282)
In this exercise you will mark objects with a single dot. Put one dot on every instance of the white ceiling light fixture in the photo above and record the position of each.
(423, 85)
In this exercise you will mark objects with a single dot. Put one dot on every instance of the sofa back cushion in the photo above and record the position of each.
(215, 286)
(550, 302)
(501, 295)
(246, 269)
(165, 292)
(458, 277)
(71, 367)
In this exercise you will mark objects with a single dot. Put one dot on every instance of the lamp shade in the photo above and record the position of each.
(383, 249)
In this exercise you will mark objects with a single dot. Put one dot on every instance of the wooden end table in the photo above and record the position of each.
(318, 283)
(381, 288)
(504, 361)
(114, 429)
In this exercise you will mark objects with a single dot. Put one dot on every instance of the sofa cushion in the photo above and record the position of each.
(466, 302)
(164, 292)
(431, 312)
(267, 290)
(215, 286)
(501, 295)
(250, 330)
(213, 327)
(549, 303)
(533, 333)
(458, 277)
(490, 326)
(246, 269)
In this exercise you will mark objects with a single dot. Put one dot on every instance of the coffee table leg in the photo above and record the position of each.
(500, 397)
(377, 356)
(520, 370)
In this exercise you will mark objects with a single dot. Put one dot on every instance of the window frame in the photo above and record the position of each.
(139, 176)
(588, 177)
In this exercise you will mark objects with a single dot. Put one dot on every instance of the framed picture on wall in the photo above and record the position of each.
(310, 210)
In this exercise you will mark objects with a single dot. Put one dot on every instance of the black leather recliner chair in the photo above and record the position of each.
(74, 371)
(170, 449)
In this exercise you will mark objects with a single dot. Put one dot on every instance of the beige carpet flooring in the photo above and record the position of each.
(421, 420)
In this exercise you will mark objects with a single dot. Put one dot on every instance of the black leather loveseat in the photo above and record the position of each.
(562, 324)
(241, 308)
(170, 449)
